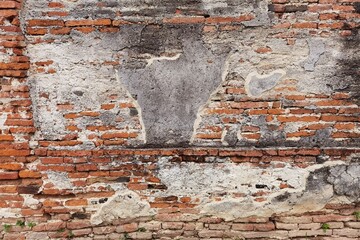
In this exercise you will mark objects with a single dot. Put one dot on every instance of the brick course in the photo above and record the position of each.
(62, 208)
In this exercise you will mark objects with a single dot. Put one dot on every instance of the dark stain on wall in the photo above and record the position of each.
(171, 72)
(350, 65)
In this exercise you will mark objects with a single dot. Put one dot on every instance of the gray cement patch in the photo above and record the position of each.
(171, 73)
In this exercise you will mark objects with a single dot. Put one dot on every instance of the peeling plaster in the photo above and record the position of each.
(256, 84)
(124, 204)
(316, 49)
(60, 180)
(198, 181)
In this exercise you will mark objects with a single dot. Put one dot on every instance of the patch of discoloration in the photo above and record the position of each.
(124, 204)
(316, 48)
(31, 202)
(198, 178)
(349, 62)
(256, 84)
(9, 213)
(60, 180)
(170, 90)
(84, 81)
(303, 185)
(346, 180)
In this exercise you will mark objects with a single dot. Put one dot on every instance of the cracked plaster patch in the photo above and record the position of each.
(197, 180)
(316, 49)
(124, 204)
(256, 84)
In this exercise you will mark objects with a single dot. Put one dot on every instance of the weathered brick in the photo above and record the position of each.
(347, 232)
(309, 233)
(332, 218)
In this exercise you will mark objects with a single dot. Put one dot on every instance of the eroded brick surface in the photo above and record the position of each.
(179, 120)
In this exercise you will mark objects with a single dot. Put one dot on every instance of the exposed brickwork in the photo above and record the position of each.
(53, 184)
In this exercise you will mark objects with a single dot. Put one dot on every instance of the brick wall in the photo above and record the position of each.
(255, 135)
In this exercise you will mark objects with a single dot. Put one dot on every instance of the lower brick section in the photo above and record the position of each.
(339, 222)
(69, 166)
(193, 193)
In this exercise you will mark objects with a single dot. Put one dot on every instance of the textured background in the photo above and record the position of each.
(185, 119)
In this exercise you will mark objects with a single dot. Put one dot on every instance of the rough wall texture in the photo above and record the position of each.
(191, 119)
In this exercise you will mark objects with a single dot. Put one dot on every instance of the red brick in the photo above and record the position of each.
(119, 135)
(8, 13)
(127, 228)
(11, 166)
(305, 25)
(264, 227)
(9, 175)
(229, 19)
(319, 7)
(76, 202)
(29, 174)
(56, 5)
(263, 50)
(86, 167)
(60, 31)
(332, 218)
(6, 138)
(14, 152)
(344, 126)
(182, 20)
(9, 4)
(45, 22)
(209, 135)
(87, 22)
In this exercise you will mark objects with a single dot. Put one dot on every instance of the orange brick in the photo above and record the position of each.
(335, 118)
(8, 13)
(301, 134)
(29, 174)
(305, 25)
(78, 224)
(251, 135)
(86, 167)
(60, 31)
(8, 4)
(10, 166)
(229, 19)
(187, 20)
(85, 29)
(344, 126)
(87, 22)
(332, 218)
(108, 106)
(9, 175)
(343, 8)
(137, 186)
(14, 152)
(209, 135)
(57, 14)
(56, 5)
(295, 97)
(345, 135)
(76, 202)
(264, 227)
(119, 135)
(335, 25)
(45, 22)
(20, 122)
(319, 7)
(6, 138)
